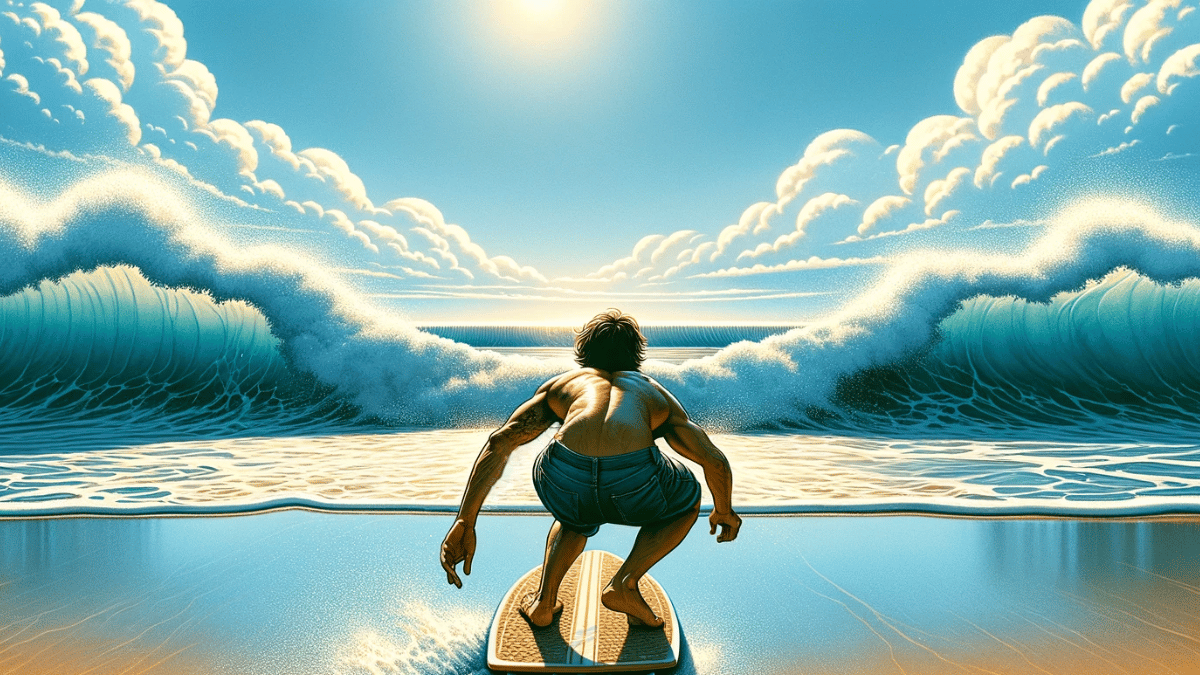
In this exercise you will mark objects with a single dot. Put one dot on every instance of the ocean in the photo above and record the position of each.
(1074, 395)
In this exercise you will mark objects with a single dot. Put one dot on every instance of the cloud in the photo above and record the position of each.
(107, 93)
(332, 167)
(110, 38)
(813, 263)
(64, 33)
(447, 236)
(880, 209)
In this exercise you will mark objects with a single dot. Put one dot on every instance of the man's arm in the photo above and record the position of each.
(690, 441)
(526, 423)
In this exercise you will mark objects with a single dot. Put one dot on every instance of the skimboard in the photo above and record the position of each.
(586, 636)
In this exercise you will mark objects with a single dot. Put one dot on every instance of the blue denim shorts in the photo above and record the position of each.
(635, 488)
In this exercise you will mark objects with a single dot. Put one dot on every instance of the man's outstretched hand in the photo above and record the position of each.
(458, 547)
(729, 523)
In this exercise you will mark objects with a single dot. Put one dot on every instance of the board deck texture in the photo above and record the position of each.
(586, 636)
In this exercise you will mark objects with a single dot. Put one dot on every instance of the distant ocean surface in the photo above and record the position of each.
(118, 396)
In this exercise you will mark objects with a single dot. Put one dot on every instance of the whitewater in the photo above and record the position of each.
(149, 366)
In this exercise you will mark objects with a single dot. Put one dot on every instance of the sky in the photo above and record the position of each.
(525, 161)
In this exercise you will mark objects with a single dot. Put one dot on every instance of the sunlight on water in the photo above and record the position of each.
(772, 472)
(421, 642)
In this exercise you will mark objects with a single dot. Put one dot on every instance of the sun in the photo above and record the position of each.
(541, 11)
(544, 30)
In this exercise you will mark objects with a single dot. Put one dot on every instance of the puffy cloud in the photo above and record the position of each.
(1103, 20)
(825, 150)
(64, 33)
(992, 156)
(881, 208)
(275, 139)
(975, 65)
(939, 190)
(162, 23)
(236, 138)
(812, 210)
(22, 88)
(929, 142)
(396, 242)
(124, 114)
(1092, 72)
(1146, 28)
(1181, 64)
(1135, 84)
(447, 237)
(1052, 83)
(333, 168)
(110, 38)
(1052, 118)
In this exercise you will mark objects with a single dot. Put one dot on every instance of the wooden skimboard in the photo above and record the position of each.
(586, 636)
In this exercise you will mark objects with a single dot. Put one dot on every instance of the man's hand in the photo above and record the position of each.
(458, 547)
(729, 523)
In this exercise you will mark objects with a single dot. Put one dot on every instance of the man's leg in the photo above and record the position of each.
(652, 543)
(563, 546)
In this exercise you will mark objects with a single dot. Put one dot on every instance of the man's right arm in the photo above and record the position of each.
(690, 441)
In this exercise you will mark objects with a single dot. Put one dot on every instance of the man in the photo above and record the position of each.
(602, 467)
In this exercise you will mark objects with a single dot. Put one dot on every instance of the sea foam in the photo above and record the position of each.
(391, 371)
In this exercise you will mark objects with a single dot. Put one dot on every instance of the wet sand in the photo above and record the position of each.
(305, 592)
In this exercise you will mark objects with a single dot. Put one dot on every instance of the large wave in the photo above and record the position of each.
(937, 361)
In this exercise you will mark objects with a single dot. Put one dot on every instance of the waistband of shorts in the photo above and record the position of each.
(559, 452)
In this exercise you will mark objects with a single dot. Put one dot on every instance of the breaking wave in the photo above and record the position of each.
(167, 318)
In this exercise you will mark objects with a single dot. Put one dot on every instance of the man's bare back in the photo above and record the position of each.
(605, 413)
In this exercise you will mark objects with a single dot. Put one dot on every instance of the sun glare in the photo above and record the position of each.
(541, 10)
(543, 24)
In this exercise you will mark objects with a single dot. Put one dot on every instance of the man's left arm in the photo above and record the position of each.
(527, 422)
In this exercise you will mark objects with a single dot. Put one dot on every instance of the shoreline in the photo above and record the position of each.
(1191, 513)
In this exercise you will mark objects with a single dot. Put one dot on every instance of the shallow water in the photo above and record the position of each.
(773, 472)
(315, 593)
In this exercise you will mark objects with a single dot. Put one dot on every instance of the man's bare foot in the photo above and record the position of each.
(629, 601)
(536, 612)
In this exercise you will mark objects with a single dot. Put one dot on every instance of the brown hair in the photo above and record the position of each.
(610, 341)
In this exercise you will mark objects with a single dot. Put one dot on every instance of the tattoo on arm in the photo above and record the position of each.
(531, 422)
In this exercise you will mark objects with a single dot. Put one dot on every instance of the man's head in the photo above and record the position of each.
(610, 341)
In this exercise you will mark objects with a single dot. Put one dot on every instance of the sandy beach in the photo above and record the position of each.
(308, 592)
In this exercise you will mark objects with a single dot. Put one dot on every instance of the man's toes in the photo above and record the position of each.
(638, 623)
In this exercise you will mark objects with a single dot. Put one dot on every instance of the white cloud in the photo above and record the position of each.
(66, 34)
(1135, 84)
(1145, 28)
(1144, 103)
(1181, 64)
(1055, 81)
(447, 235)
(1053, 117)
(112, 39)
(124, 114)
(992, 156)
(22, 88)
(812, 263)
(1102, 21)
(332, 167)
(939, 190)
(880, 209)
(1097, 66)
(930, 141)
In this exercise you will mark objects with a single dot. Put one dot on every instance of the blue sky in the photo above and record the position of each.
(641, 154)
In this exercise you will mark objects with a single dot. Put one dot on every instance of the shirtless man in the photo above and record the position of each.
(602, 467)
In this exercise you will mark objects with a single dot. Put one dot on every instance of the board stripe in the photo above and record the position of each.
(586, 620)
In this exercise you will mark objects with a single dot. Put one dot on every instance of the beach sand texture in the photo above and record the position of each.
(306, 593)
